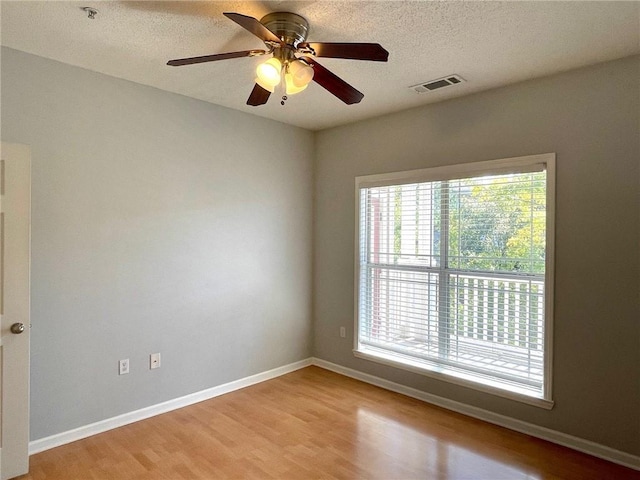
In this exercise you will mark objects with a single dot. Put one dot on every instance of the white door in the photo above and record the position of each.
(15, 210)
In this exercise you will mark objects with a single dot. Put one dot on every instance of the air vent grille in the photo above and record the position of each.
(438, 83)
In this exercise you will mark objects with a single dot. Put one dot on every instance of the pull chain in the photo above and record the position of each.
(285, 68)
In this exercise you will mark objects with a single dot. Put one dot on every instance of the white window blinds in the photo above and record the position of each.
(452, 276)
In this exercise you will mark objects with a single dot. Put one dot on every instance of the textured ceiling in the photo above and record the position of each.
(489, 44)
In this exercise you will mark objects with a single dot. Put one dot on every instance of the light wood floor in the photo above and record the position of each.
(316, 424)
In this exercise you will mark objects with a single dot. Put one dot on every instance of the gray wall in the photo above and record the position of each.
(159, 224)
(590, 118)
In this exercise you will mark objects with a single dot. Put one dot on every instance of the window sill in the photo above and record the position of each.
(450, 376)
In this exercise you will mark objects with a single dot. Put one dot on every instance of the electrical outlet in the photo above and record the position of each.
(154, 360)
(343, 332)
(123, 366)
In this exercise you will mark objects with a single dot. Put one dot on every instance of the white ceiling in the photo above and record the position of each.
(490, 44)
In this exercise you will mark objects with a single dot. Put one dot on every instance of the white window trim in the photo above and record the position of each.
(505, 165)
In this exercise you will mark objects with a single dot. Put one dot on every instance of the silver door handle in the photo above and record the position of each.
(17, 328)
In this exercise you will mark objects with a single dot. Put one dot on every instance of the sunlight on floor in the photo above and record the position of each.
(440, 457)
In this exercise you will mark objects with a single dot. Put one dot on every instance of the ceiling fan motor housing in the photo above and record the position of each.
(291, 28)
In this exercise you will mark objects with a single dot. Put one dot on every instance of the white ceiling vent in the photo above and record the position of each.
(438, 83)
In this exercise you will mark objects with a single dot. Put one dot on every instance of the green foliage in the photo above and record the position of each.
(495, 223)
(498, 223)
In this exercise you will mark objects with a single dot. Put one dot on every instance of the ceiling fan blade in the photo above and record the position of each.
(211, 58)
(254, 26)
(354, 51)
(259, 96)
(334, 84)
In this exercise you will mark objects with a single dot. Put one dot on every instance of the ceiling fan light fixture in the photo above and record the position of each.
(270, 88)
(301, 73)
(269, 73)
(290, 87)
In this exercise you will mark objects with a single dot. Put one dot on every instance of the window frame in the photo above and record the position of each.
(450, 172)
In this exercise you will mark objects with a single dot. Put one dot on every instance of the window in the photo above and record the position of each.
(454, 274)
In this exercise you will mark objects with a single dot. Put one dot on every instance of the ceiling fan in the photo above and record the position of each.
(293, 62)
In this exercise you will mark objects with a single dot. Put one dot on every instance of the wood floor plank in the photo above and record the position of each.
(310, 424)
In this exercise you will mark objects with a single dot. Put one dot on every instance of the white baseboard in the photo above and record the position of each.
(63, 438)
(585, 446)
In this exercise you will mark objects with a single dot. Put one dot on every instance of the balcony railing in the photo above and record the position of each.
(482, 322)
